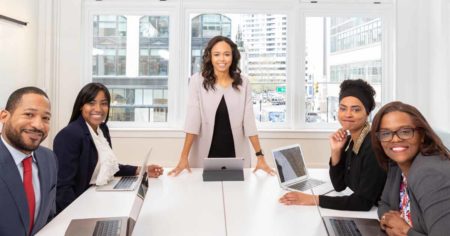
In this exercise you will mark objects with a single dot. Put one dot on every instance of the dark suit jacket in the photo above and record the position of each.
(13, 202)
(77, 158)
(429, 192)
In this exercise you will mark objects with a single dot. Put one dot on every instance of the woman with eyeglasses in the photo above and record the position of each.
(416, 197)
(352, 163)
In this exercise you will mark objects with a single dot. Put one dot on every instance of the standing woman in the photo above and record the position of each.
(416, 198)
(352, 163)
(219, 111)
(83, 148)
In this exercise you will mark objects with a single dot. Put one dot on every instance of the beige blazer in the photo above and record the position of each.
(200, 117)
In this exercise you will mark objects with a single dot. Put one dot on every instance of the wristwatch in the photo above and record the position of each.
(259, 153)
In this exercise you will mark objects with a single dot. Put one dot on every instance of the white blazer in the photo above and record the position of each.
(200, 117)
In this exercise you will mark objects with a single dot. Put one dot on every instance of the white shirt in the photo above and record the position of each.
(18, 157)
(107, 164)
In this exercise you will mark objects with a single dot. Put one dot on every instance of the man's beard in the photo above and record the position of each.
(17, 141)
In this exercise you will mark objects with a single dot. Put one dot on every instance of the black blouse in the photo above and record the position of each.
(222, 144)
(362, 174)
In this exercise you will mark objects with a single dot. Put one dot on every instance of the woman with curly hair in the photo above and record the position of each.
(220, 115)
(352, 163)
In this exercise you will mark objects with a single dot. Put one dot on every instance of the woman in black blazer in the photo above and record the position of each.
(74, 145)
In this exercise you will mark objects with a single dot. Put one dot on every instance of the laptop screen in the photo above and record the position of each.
(140, 196)
(290, 164)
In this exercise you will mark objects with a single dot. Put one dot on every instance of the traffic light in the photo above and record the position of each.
(316, 87)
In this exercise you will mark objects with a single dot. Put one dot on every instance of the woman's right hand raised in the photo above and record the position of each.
(182, 164)
(337, 142)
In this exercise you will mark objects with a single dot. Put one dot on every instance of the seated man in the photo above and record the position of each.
(27, 171)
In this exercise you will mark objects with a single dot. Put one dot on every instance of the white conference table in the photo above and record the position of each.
(185, 205)
(252, 208)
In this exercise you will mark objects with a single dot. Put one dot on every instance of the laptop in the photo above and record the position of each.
(343, 226)
(350, 226)
(126, 183)
(292, 172)
(111, 226)
(223, 163)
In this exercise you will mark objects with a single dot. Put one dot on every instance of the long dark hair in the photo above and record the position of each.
(86, 95)
(208, 69)
(432, 144)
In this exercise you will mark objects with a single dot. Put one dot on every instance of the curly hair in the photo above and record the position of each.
(208, 69)
(432, 144)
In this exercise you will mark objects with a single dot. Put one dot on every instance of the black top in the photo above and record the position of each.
(362, 174)
(222, 144)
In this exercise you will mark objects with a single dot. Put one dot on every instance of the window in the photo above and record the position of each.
(337, 49)
(295, 55)
(131, 57)
(263, 63)
(110, 40)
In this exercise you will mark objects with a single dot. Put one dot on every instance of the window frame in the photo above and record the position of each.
(283, 7)
(142, 9)
(179, 12)
(386, 13)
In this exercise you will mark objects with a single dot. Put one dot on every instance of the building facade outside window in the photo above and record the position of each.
(262, 42)
(337, 49)
(133, 65)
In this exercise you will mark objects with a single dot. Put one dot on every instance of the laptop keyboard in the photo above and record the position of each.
(107, 228)
(308, 184)
(345, 227)
(125, 182)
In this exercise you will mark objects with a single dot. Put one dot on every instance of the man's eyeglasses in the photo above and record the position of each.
(402, 133)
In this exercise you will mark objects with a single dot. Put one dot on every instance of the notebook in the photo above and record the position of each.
(111, 226)
(126, 183)
(292, 172)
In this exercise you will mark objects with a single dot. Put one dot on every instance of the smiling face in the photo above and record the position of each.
(399, 150)
(28, 124)
(221, 57)
(95, 111)
(352, 115)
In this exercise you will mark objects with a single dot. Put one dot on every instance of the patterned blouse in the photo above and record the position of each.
(404, 205)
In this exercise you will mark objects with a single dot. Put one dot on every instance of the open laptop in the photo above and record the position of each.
(126, 183)
(350, 226)
(292, 172)
(111, 226)
(223, 163)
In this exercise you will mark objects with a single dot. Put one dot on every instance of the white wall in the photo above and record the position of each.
(18, 53)
(167, 147)
(422, 58)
